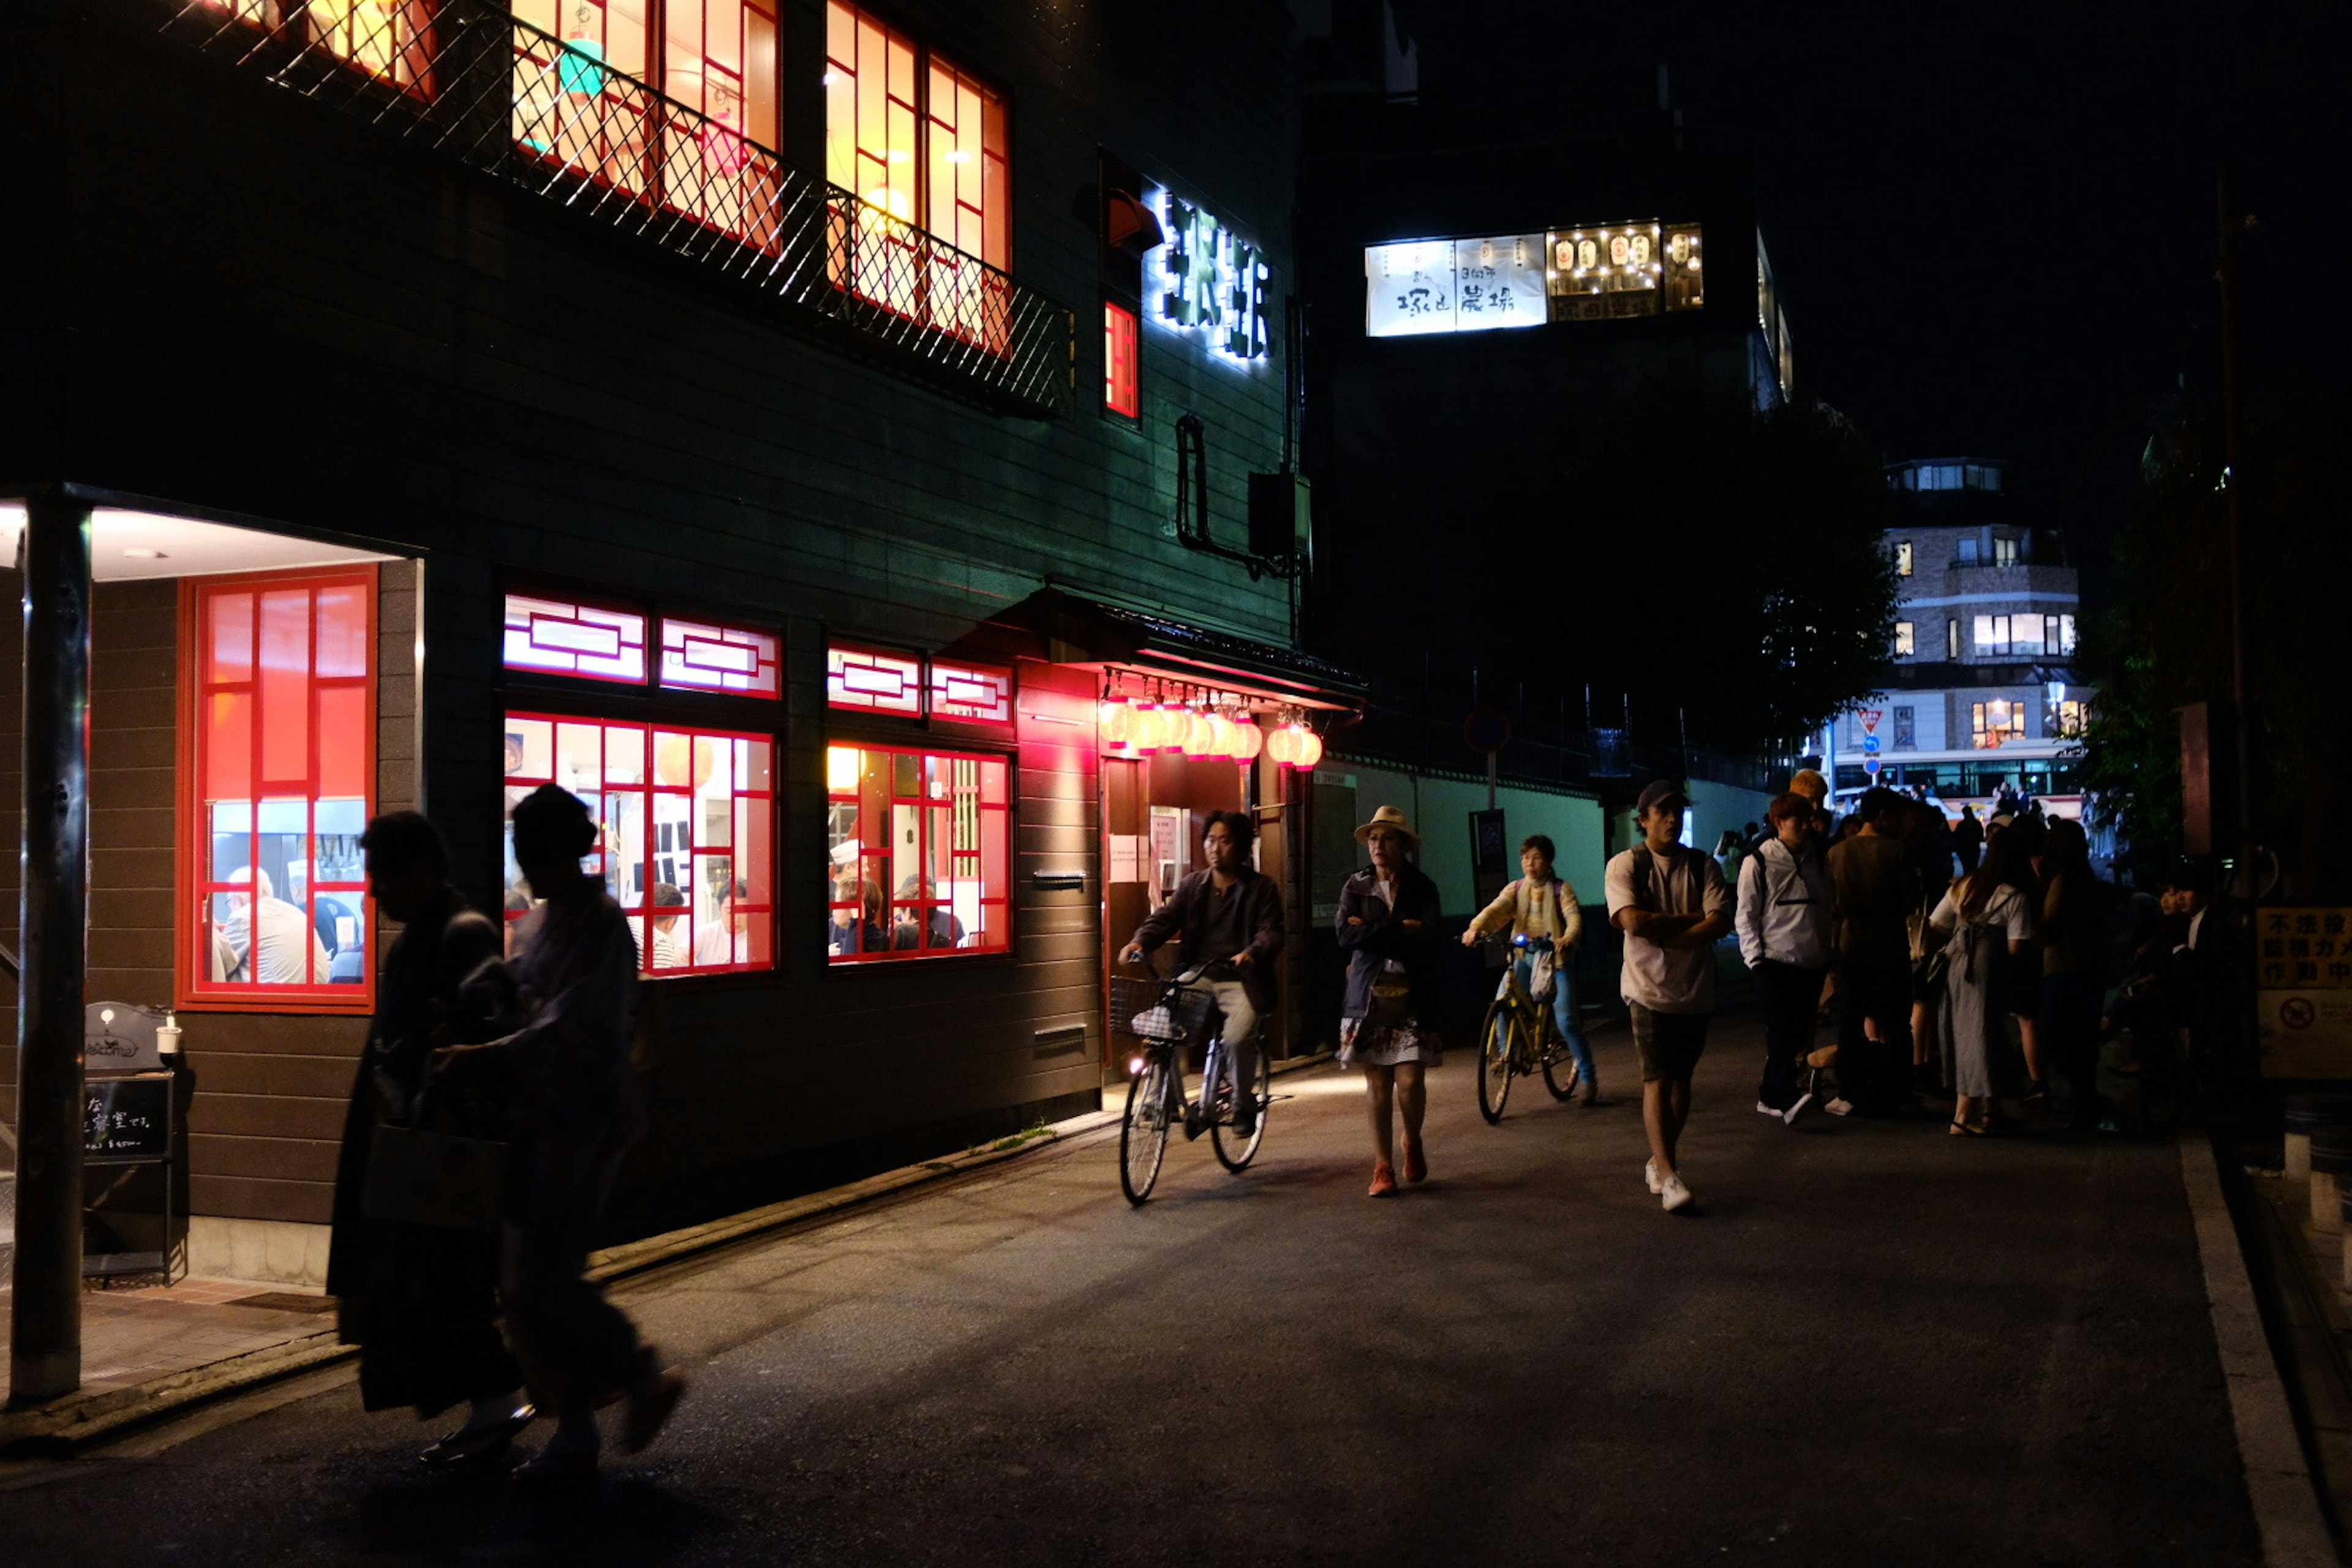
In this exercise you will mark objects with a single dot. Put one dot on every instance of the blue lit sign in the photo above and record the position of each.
(1212, 281)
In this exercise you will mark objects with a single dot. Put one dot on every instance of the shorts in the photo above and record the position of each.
(1667, 1044)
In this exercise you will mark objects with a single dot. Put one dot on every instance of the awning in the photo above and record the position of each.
(1077, 630)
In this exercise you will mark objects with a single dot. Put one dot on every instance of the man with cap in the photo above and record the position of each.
(1672, 905)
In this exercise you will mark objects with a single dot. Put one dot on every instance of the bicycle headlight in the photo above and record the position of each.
(1135, 1067)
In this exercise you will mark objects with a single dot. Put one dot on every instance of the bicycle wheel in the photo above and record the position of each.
(1559, 1069)
(1233, 1150)
(1143, 1131)
(1498, 1044)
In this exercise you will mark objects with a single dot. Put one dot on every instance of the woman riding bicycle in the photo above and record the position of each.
(1541, 908)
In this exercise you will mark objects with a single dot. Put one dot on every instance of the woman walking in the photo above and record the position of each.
(1387, 927)
(2074, 918)
(1987, 918)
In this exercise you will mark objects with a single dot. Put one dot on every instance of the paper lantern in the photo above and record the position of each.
(1224, 736)
(1117, 721)
(1248, 740)
(1282, 745)
(1147, 729)
(1311, 748)
(1200, 735)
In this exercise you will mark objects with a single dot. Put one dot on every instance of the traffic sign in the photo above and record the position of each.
(1870, 718)
(1870, 744)
(1488, 730)
(1870, 766)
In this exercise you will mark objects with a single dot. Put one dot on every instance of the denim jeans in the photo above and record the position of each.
(1563, 1007)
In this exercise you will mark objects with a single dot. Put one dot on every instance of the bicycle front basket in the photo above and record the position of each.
(1148, 1008)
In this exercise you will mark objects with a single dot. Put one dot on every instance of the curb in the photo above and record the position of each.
(2279, 1483)
(78, 1420)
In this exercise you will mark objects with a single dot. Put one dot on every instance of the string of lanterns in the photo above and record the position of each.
(1198, 730)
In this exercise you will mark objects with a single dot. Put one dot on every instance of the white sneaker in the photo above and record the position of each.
(1673, 1195)
(1764, 1110)
(1650, 1174)
(1840, 1107)
(1804, 1102)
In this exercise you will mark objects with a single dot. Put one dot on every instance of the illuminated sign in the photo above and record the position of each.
(1599, 273)
(1212, 281)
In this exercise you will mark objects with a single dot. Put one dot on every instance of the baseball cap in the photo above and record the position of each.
(1659, 790)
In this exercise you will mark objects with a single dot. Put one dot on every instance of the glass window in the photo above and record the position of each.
(282, 672)
(1968, 551)
(1905, 639)
(711, 657)
(687, 820)
(1606, 272)
(973, 693)
(1903, 558)
(1995, 722)
(873, 680)
(2065, 639)
(1907, 729)
(1952, 638)
(566, 639)
(2004, 550)
(920, 859)
(1685, 286)
(392, 39)
(1122, 392)
(2026, 634)
(2062, 717)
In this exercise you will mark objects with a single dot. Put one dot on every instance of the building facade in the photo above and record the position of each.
(810, 431)
(1981, 696)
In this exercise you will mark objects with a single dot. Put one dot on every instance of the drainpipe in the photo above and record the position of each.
(45, 1331)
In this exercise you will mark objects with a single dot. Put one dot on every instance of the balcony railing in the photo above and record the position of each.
(471, 82)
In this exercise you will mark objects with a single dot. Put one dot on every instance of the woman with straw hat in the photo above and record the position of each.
(1388, 928)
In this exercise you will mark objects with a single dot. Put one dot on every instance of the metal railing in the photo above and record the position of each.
(470, 81)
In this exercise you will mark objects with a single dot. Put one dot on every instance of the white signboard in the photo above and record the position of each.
(1409, 289)
(1454, 285)
(1499, 282)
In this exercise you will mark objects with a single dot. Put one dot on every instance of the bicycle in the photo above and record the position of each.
(1519, 1037)
(1167, 1016)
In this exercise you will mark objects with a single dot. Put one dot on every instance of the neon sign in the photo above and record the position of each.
(1212, 281)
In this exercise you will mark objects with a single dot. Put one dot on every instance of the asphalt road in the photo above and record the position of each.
(1870, 1343)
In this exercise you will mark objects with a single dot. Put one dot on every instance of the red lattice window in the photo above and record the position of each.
(1122, 383)
(710, 658)
(920, 856)
(688, 832)
(872, 680)
(276, 784)
(392, 40)
(562, 637)
(973, 693)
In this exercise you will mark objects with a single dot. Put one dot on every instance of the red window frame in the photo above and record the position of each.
(711, 656)
(623, 621)
(211, 697)
(980, 849)
(1122, 380)
(967, 693)
(647, 762)
(845, 662)
(404, 60)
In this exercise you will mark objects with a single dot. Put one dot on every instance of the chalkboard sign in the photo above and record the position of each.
(127, 1121)
(118, 1037)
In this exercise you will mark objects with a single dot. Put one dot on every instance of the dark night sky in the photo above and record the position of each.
(1994, 227)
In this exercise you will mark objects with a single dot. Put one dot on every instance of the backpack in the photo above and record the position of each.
(1645, 891)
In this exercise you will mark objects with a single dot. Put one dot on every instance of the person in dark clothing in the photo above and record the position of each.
(421, 1301)
(1386, 926)
(1871, 893)
(1227, 923)
(1967, 840)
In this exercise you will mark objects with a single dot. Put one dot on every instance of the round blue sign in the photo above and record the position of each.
(1870, 743)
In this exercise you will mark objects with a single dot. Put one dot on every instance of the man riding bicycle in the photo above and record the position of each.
(1542, 909)
(1227, 922)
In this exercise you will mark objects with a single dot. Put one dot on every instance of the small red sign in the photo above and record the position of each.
(1870, 718)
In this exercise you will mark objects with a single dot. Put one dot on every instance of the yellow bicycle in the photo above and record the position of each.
(1520, 1036)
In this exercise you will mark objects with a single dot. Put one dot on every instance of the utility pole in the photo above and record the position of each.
(44, 1330)
(2229, 225)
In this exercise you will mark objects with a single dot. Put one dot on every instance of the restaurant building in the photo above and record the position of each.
(846, 446)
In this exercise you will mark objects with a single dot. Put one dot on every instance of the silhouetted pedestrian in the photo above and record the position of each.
(1387, 924)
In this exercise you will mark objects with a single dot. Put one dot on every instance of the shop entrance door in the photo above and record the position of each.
(1154, 811)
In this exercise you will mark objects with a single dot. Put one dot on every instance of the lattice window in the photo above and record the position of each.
(920, 853)
(710, 658)
(976, 694)
(688, 832)
(392, 40)
(873, 680)
(279, 680)
(1122, 379)
(563, 637)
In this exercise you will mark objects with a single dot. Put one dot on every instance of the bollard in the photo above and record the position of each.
(2327, 1204)
(2331, 1162)
(2305, 1114)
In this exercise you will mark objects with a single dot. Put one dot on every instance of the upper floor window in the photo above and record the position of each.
(1969, 551)
(873, 679)
(1952, 637)
(1907, 729)
(1903, 559)
(926, 148)
(279, 699)
(713, 657)
(1122, 390)
(2004, 550)
(563, 637)
(1991, 724)
(672, 102)
(2062, 717)
(390, 40)
(1906, 639)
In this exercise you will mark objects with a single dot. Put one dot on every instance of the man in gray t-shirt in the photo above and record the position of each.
(1672, 905)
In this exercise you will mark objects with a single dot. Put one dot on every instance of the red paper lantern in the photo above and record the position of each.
(1117, 722)
(1248, 740)
(1200, 735)
(1148, 729)
(1282, 746)
(1311, 748)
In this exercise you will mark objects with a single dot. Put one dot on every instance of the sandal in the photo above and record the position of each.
(1966, 1130)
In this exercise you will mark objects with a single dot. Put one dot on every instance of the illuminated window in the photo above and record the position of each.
(687, 832)
(1122, 392)
(1992, 634)
(2004, 550)
(1994, 723)
(711, 657)
(975, 694)
(1952, 638)
(1685, 287)
(920, 151)
(920, 861)
(2061, 635)
(279, 679)
(1907, 729)
(1905, 642)
(2061, 720)
(1608, 270)
(566, 639)
(391, 39)
(687, 125)
(873, 680)
(1903, 559)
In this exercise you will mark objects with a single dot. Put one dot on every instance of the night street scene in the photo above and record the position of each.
(1292, 782)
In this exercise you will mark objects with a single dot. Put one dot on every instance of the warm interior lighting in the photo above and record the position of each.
(841, 766)
(1249, 740)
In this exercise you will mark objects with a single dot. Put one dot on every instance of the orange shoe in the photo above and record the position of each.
(1416, 1165)
(1383, 1180)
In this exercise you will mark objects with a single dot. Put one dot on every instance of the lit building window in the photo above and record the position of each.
(2061, 720)
(1952, 638)
(1122, 391)
(711, 657)
(973, 694)
(1607, 271)
(873, 680)
(1994, 723)
(2004, 550)
(562, 637)
(281, 708)
(1907, 729)
(1596, 273)
(1903, 559)
(1685, 285)
(920, 853)
(2062, 638)
(1905, 639)
(686, 840)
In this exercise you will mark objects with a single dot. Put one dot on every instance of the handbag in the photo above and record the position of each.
(1392, 999)
(420, 1174)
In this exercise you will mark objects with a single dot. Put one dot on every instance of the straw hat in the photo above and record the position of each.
(1388, 816)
